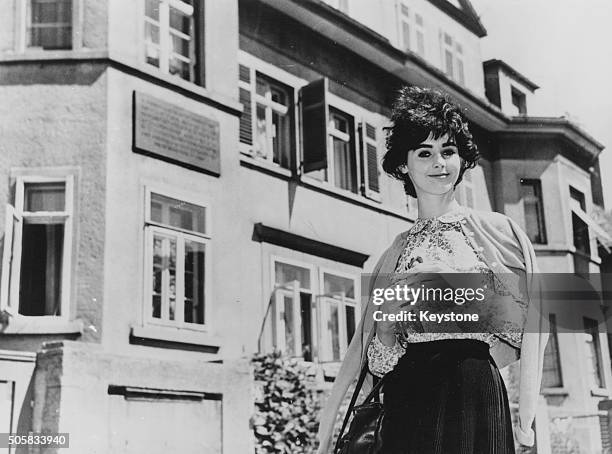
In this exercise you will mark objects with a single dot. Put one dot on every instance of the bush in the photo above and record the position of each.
(286, 408)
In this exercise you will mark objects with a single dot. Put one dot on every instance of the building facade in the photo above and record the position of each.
(188, 182)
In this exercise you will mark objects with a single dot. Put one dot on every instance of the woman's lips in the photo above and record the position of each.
(441, 176)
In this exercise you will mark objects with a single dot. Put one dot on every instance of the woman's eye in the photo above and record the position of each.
(449, 152)
(423, 154)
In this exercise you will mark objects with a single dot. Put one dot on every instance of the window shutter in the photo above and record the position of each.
(314, 125)
(11, 230)
(200, 48)
(246, 119)
(369, 157)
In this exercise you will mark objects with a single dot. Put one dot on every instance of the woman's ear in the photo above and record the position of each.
(403, 169)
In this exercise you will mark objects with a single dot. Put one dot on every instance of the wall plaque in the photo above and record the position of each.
(166, 130)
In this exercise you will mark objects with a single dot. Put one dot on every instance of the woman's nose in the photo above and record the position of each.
(438, 162)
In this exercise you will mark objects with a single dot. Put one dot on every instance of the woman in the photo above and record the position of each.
(443, 392)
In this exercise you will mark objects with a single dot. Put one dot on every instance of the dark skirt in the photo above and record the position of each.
(446, 397)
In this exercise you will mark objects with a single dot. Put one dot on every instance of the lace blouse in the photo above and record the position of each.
(434, 239)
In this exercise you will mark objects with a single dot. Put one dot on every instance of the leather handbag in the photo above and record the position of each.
(364, 435)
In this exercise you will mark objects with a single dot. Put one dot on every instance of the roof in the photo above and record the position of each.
(466, 15)
(500, 64)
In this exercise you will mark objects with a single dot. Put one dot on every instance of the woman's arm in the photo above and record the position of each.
(533, 345)
(382, 359)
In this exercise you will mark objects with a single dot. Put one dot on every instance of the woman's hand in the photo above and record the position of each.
(427, 275)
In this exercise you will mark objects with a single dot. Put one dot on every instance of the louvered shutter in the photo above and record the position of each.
(12, 234)
(200, 44)
(246, 119)
(315, 113)
(369, 153)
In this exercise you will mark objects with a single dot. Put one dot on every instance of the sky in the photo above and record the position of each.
(565, 47)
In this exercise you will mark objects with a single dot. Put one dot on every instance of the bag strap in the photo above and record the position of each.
(372, 394)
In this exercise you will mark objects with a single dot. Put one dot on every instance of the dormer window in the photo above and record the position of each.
(519, 101)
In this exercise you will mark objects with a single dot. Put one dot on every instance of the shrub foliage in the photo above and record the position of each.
(286, 406)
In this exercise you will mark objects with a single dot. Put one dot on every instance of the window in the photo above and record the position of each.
(405, 23)
(37, 248)
(50, 24)
(580, 233)
(177, 262)
(292, 302)
(267, 121)
(342, 165)
(411, 40)
(519, 101)
(7, 403)
(337, 148)
(338, 315)
(551, 375)
(420, 35)
(452, 58)
(594, 358)
(531, 193)
(173, 31)
(315, 311)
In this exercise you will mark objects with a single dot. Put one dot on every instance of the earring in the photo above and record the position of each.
(403, 169)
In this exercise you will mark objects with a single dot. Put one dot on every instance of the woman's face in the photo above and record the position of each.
(434, 165)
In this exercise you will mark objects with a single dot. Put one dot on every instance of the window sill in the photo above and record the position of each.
(20, 324)
(600, 392)
(264, 166)
(45, 55)
(353, 198)
(176, 336)
(555, 391)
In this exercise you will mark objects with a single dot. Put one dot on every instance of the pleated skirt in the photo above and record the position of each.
(446, 397)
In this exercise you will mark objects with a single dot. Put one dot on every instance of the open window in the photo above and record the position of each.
(293, 327)
(174, 37)
(315, 310)
(266, 124)
(37, 248)
(337, 148)
(337, 314)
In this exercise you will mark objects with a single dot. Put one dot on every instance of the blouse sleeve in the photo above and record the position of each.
(382, 359)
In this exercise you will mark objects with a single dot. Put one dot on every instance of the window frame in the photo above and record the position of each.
(23, 18)
(412, 22)
(151, 227)
(450, 46)
(164, 45)
(537, 185)
(556, 354)
(342, 302)
(317, 271)
(287, 83)
(11, 279)
(278, 325)
(350, 139)
(596, 367)
(521, 98)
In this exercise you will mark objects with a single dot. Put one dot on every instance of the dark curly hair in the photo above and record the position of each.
(418, 112)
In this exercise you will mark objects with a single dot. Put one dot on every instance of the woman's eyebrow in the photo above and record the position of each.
(450, 143)
(423, 145)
